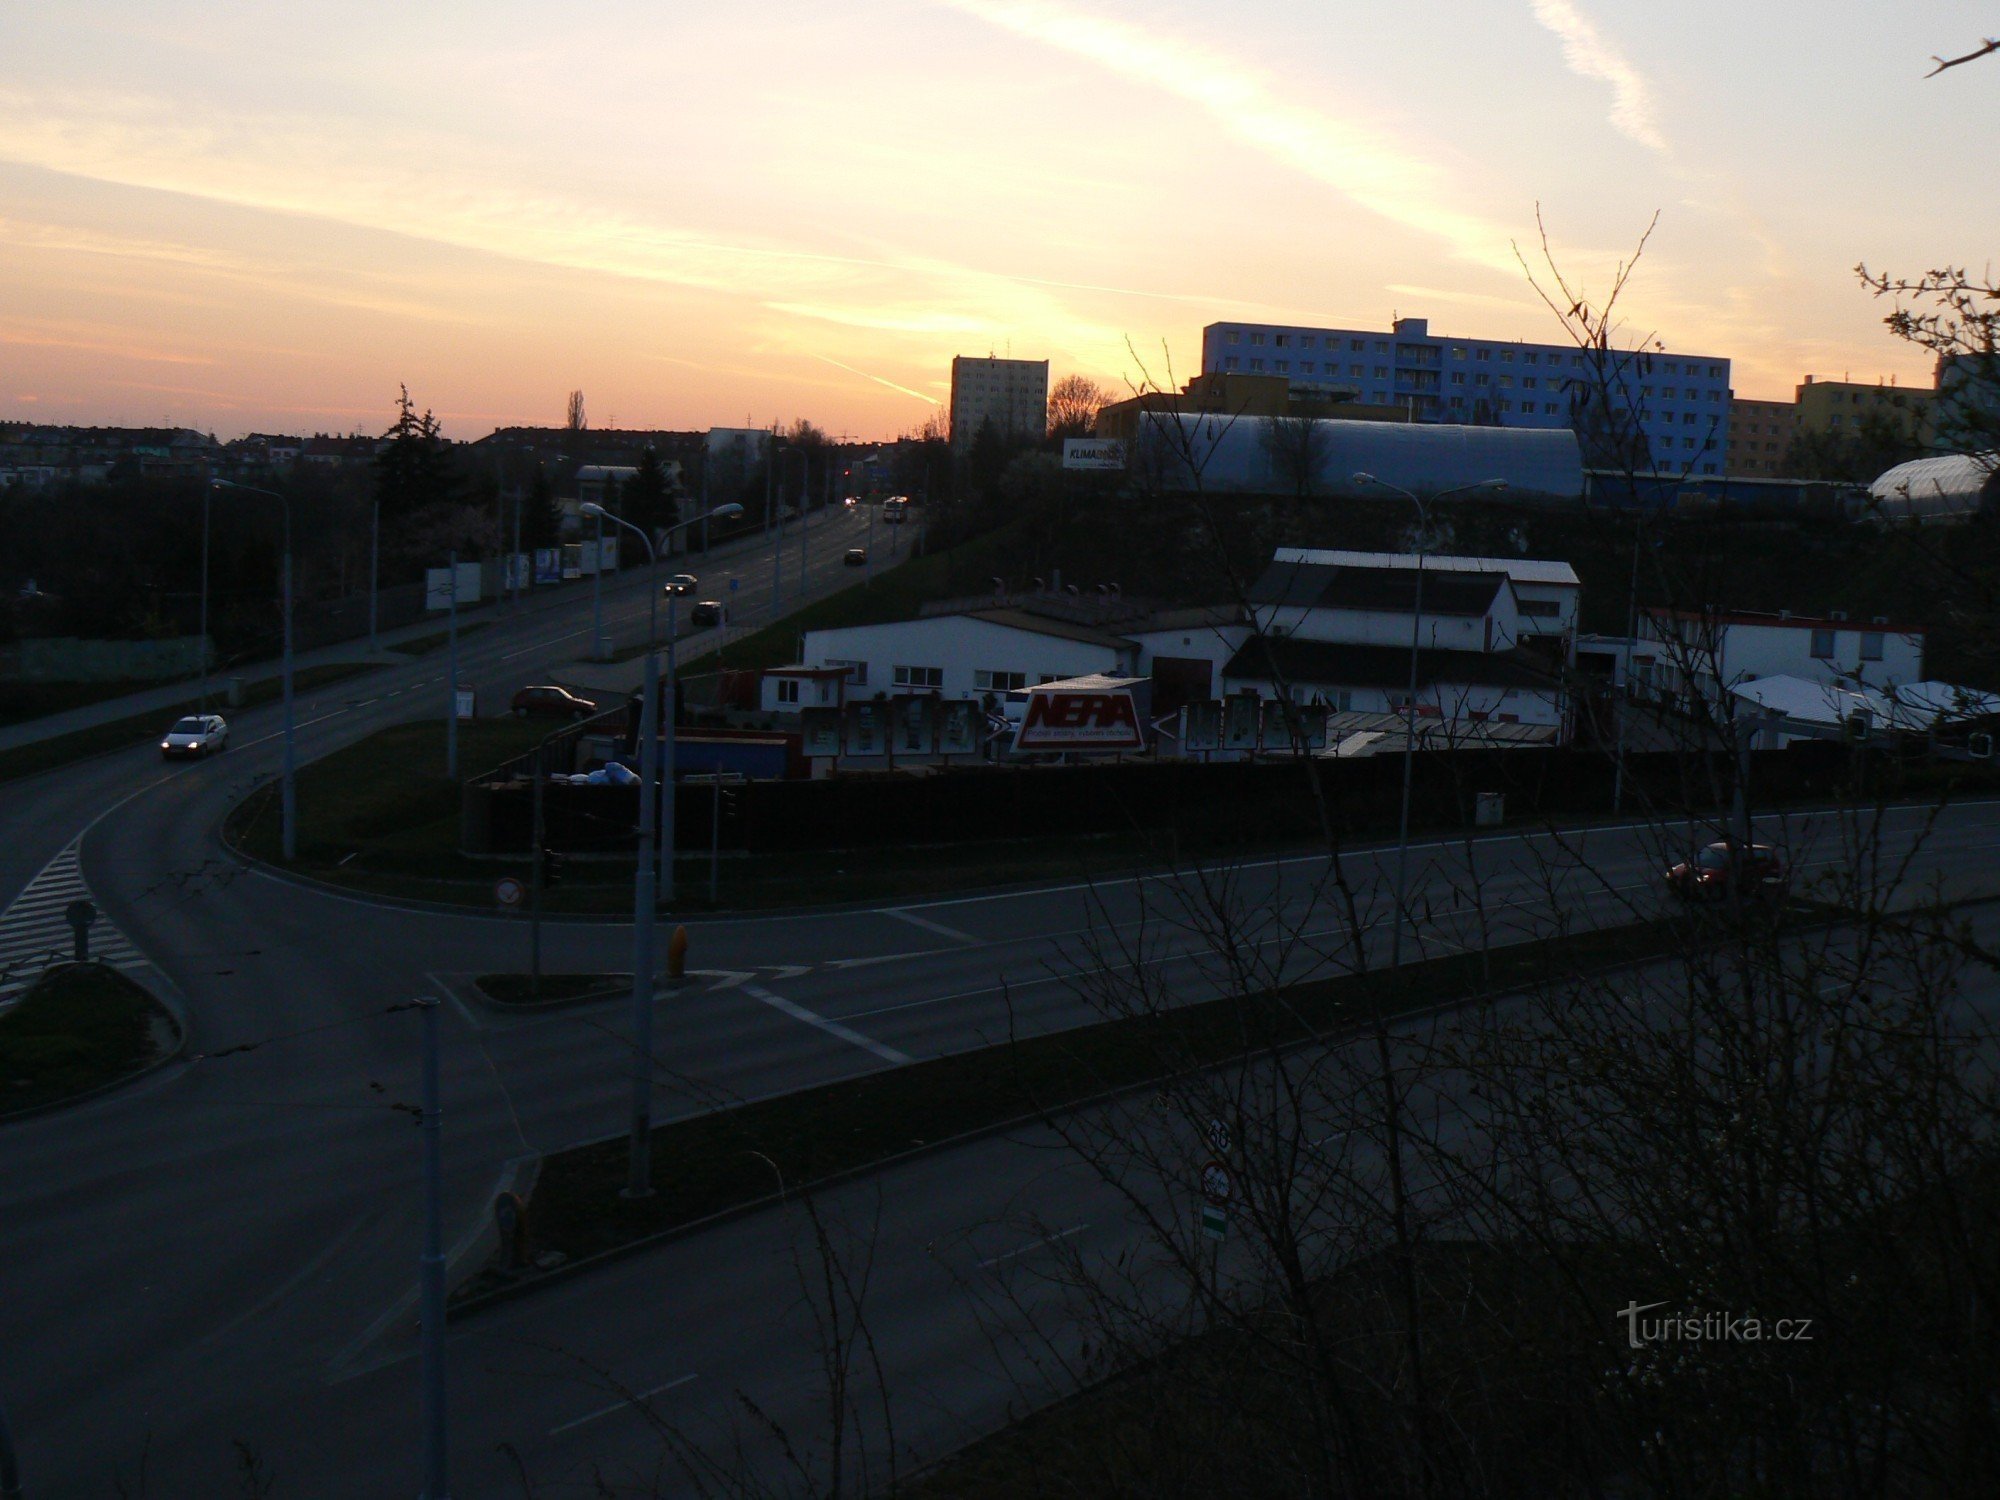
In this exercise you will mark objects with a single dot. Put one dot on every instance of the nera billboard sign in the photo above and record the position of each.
(1080, 721)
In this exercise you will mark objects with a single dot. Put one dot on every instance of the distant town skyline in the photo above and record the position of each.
(237, 220)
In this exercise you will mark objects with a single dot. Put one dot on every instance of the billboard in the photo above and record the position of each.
(1093, 453)
(1201, 726)
(819, 731)
(438, 586)
(913, 722)
(548, 565)
(1277, 731)
(867, 728)
(958, 729)
(1239, 722)
(1071, 720)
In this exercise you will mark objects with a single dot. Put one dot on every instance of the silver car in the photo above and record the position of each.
(195, 736)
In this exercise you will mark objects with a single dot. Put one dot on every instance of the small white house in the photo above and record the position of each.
(967, 655)
(1540, 610)
(786, 690)
(1702, 656)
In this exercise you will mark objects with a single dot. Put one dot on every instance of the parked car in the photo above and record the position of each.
(195, 736)
(1726, 866)
(705, 614)
(549, 699)
(855, 557)
(680, 584)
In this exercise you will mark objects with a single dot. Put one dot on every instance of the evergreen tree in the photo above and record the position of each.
(541, 518)
(649, 499)
(414, 469)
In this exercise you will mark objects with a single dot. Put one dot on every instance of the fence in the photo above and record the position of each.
(1200, 806)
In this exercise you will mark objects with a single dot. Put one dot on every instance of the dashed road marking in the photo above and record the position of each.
(831, 1028)
(903, 915)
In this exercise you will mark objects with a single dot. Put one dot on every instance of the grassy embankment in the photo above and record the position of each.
(79, 1027)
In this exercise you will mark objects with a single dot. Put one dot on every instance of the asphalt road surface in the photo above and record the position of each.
(228, 1249)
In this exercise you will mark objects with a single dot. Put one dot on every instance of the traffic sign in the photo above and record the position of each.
(1214, 1222)
(1218, 1137)
(508, 891)
(735, 584)
(1215, 1183)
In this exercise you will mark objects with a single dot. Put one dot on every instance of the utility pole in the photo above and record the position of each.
(207, 493)
(437, 1485)
(451, 676)
(514, 561)
(374, 571)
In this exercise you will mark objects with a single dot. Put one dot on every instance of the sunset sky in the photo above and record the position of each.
(239, 216)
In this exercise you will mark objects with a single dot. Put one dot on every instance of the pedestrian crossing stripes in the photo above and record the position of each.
(34, 932)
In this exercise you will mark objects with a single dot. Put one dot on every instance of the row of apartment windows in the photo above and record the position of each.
(1458, 352)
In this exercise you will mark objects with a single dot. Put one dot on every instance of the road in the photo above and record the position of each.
(228, 1249)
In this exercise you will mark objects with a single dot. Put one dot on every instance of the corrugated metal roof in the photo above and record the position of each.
(1016, 619)
(1264, 455)
(1520, 569)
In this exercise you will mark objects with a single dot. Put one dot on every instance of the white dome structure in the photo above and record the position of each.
(1951, 488)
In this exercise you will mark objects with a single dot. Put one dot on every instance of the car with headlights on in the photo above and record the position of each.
(194, 736)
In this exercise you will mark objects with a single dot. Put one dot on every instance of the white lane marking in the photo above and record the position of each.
(728, 978)
(882, 958)
(782, 972)
(618, 1406)
(34, 932)
(903, 914)
(831, 1028)
(1043, 1243)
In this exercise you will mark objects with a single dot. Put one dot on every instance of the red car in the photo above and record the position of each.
(1725, 867)
(552, 700)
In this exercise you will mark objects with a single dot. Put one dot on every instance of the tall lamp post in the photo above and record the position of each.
(1410, 708)
(207, 494)
(374, 572)
(287, 795)
(639, 1181)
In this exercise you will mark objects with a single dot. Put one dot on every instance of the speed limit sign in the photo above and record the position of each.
(508, 891)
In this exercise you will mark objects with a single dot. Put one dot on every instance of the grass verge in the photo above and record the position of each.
(138, 729)
(725, 1159)
(437, 638)
(391, 800)
(78, 1028)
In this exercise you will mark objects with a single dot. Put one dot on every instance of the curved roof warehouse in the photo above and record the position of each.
(1321, 456)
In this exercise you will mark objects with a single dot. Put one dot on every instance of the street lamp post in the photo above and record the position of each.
(451, 675)
(1410, 707)
(599, 647)
(207, 495)
(287, 793)
(431, 1268)
(639, 1183)
(374, 572)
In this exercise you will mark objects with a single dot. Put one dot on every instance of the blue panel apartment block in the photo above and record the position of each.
(1678, 403)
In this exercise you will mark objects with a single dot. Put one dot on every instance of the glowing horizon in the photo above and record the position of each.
(259, 221)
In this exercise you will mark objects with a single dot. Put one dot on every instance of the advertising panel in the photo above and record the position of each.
(913, 721)
(1278, 729)
(959, 726)
(1093, 453)
(819, 731)
(1239, 722)
(1201, 726)
(1070, 720)
(548, 565)
(867, 728)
